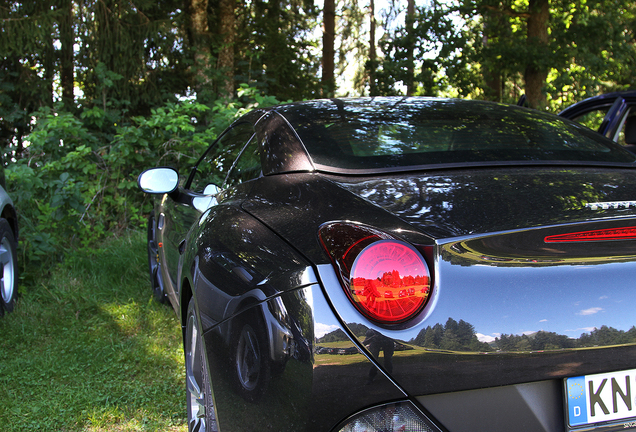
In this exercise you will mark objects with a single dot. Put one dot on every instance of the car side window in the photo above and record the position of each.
(220, 157)
(247, 166)
(592, 118)
(627, 131)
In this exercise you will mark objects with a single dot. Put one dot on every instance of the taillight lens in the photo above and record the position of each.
(396, 417)
(387, 280)
(625, 233)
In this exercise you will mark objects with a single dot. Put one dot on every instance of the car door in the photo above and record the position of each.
(614, 119)
(608, 114)
(176, 216)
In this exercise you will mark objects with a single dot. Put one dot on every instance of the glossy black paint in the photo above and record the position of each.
(464, 202)
(300, 394)
(278, 141)
(250, 258)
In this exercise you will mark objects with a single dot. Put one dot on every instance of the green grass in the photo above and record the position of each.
(87, 349)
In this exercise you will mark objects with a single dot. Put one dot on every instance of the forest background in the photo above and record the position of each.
(94, 91)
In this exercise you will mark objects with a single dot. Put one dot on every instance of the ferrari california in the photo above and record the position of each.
(402, 264)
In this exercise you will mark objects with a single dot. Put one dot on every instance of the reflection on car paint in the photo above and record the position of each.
(297, 366)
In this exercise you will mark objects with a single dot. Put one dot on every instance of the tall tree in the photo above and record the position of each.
(227, 30)
(495, 26)
(554, 51)
(66, 25)
(536, 71)
(328, 46)
(199, 37)
(352, 48)
(136, 43)
(594, 45)
(410, 48)
(399, 68)
(28, 65)
(275, 48)
(373, 62)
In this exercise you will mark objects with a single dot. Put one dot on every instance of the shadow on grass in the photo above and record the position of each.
(89, 350)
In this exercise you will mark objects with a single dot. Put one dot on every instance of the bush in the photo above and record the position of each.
(76, 180)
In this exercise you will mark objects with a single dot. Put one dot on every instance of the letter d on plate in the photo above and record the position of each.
(577, 401)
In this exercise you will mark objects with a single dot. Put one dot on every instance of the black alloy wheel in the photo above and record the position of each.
(201, 412)
(251, 359)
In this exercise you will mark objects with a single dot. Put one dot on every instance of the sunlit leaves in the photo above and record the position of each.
(481, 49)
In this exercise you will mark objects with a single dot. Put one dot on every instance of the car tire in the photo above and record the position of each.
(8, 267)
(201, 411)
(250, 360)
(153, 262)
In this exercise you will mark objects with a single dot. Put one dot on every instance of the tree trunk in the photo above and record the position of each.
(199, 38)
(372, 58)
(227, 20)
(67, 40)
(50, 66)
(410, 60)
(328, 47)
(536, 74)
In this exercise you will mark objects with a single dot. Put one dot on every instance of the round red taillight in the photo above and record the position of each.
(386, 279)
(389, 281)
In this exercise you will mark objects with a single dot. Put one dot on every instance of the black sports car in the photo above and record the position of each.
(402, 264)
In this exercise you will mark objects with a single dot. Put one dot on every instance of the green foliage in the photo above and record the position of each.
(461, 336)
(274, 48)
(481, 49)
(27, 56)
(137, 41)
(453, 336)
(595, 48)
(549, 340)
(76, 180)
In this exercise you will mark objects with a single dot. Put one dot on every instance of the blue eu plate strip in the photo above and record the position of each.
(577, 401)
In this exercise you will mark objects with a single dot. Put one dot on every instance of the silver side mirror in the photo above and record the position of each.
(159, 180)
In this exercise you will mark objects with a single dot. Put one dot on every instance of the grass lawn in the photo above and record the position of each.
(87, 349)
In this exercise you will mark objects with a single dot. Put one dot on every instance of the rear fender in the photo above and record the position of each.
(236, 262)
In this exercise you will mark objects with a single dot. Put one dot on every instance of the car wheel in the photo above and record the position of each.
(251, 359)
(201, 412)
(153, 262)
(8, 266)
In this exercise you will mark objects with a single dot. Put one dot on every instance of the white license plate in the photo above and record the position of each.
(601, 399)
